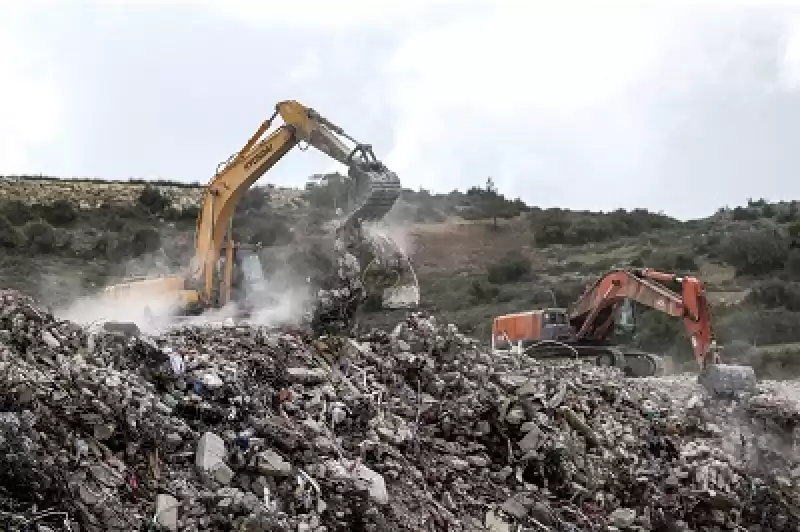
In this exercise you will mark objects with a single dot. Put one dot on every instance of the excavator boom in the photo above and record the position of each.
(593, 315)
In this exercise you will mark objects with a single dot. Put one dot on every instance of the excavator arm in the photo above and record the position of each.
(593, 315)
(376, 187)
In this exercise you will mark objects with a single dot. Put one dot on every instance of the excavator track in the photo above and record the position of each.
(634, 363)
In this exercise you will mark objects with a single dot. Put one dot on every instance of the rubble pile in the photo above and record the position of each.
(419, 429)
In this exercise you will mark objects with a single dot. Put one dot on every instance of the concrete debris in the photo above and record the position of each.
(417, 429)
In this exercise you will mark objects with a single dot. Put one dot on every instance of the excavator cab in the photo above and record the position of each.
(625, 321)
(243, 283)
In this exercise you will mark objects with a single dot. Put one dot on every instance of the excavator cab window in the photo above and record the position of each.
(625, 322)
(555, 317)
(219, 274)
(251, 268)
(501, 342)
(249, 275)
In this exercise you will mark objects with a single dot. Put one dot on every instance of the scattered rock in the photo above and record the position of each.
(415, 429)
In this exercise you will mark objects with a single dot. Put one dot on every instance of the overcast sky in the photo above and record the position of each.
(591, 105)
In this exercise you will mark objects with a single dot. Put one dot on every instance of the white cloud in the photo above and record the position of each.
(574, 103)
(498, 82)
(789, 61)
(319, 14)
(30, 105)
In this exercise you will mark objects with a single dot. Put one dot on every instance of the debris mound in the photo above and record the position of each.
(414, 429)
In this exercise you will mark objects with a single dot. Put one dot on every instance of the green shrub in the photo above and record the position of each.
(759, 327)
(480, 293)
(756, 252)
(668, 261)
(103, 246)
(776, 294)
(557, 226)
(793, 264)
(256, 199)
(685, 263)
(145, 240)
(743, 213)
(794, 232)
(512, 268)
(17, 212)
(40, 236)
(190, 212)
(10, 236)
(153, 200)
(60, 213)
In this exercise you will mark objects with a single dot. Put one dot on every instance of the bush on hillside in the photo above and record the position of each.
(558, 226)
(512, 268)
(190, 212)
(17, 212)
(759, 327)
(60, 213)
(153, 200)
(760, 252)
(666, 261)
(255, 199)
(10, 236)
(793, 264)
(40, 236)
(794, 231)
(745, 214)
(481, 293)
(103, 247)
(146, 240)
(776, 294)
(488, 204)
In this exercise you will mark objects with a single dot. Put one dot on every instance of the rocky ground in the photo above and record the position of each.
(415, 428)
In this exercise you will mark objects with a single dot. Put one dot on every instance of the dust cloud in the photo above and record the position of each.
(393, 238)
(150, 307)
(146, 310)
(284, 295)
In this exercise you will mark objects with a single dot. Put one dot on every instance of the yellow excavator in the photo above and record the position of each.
(223, 271)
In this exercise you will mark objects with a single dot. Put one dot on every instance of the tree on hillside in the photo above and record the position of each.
(561, 226)
(330, 192)
(256, 199)
(40, 236)
(60, 213)
(485, 203)
(756, 252)
(10, 236)
(153, 199)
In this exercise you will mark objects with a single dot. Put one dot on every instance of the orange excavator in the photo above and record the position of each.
(585, 330)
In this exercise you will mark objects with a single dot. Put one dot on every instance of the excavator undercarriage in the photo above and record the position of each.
(634, 363)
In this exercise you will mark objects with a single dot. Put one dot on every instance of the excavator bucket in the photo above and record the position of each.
(727, 380)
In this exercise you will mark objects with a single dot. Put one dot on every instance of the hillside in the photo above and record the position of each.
(477, 253)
